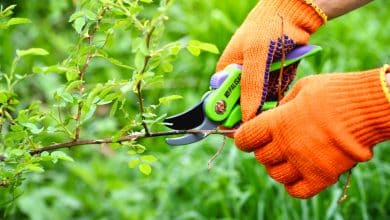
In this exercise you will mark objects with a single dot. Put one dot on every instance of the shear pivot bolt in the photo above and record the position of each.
(220, 107)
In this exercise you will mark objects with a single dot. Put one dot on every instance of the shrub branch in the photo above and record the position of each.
(91, 35)
(130, 137)
(139, 83)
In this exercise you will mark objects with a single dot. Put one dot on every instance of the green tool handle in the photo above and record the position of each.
(222, 104)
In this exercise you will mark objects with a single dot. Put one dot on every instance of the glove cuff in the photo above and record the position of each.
(363, 106)
(301, 13)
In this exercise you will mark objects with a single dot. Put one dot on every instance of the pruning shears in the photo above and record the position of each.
(220, 105)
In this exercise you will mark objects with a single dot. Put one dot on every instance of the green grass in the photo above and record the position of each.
(101, 186)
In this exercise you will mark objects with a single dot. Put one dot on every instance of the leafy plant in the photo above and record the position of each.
(33, 130)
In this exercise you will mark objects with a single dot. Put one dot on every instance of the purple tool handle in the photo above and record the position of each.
(218, 78)
(299, 51)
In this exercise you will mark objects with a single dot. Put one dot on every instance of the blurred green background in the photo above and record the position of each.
(99, 184)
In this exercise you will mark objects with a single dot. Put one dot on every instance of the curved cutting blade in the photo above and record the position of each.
(192, 138)
(189, 119)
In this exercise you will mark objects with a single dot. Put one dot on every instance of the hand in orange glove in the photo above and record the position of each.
(258, 42)
(322, 128)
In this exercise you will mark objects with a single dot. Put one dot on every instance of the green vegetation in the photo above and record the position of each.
(95, 181)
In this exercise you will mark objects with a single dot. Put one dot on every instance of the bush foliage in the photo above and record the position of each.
(107, 71)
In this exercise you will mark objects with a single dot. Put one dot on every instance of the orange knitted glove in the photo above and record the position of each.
(323, 127)
(258, 42)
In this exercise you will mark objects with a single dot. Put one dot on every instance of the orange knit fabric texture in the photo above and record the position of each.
(259, 41)
(323, 127)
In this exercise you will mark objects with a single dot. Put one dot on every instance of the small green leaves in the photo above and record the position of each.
(35, 168)
(80, 19)
(149, 158)
(50, 69)
(7, 11)
(120, 46)
(59, 155)
(193, 50)
(167, 67)
(3, 97)
(165, 100)
(16, 21)
(142, 162)
(195, 47)
(133, 163)
(13, 21)
(78, 24)
(32, 52)
(72, 73)
(145, 169)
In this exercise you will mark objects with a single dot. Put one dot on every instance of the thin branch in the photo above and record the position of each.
(84, 70)
(346, 188)
(280, 95)
(149, 36)
(139, 83)
(131, 137)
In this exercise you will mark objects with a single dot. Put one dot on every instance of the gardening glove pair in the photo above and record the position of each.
(323, 127)
(271, 30)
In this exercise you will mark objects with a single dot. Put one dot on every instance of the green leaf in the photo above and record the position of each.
(205, 46)
(167, 67)
(145, 169)
(8, 10)
(17, 152)
(149, 115)
(74, 16)
(121, 23)
(16, 127)
(115, 62)
(73, 85)
(22, 116)
(139, 148)
(87, 112)
(175, 49)
(16, 21)
(3, 98)
(149, 158)
(193, 50)
(50, 69)
(131, 152)
(72, 74)
(139, 45)
(35, 168)
(32, 51)
(32, 127)
(67, 97)
(195, 47)
(139, 60)
(133, 163)
(147, 1)
(78, 24)
(90, 15)
(165, 100)
(61, 155)
(114, 107)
